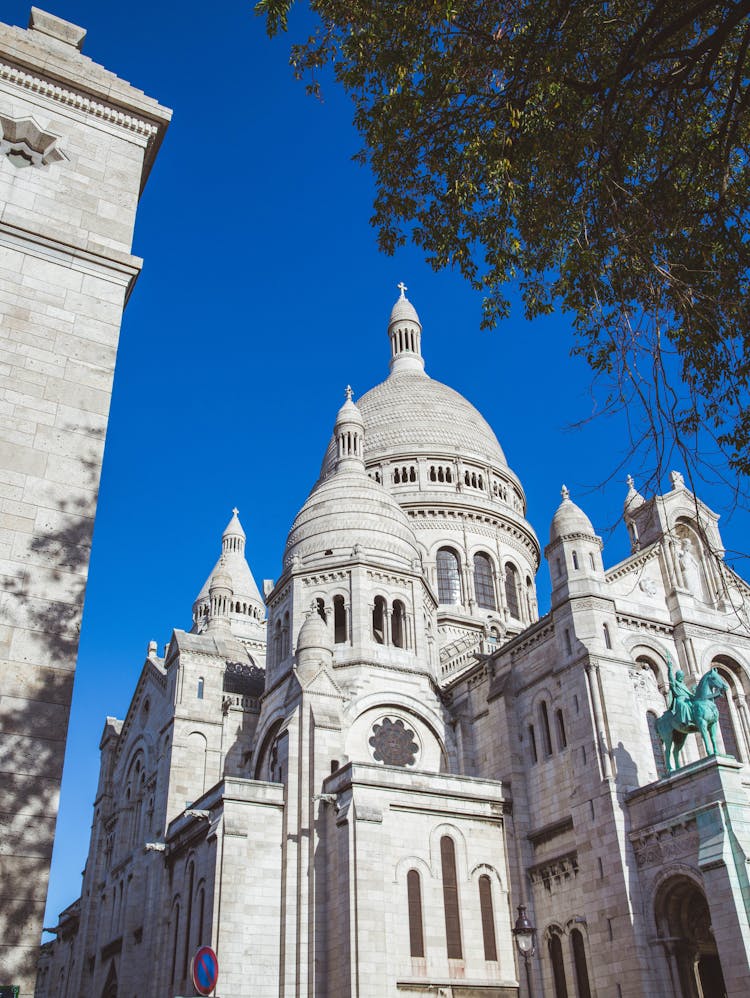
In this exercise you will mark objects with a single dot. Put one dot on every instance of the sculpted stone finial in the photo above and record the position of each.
(677, 479)
(631, 482)
(564, 492)
(236, 511)
(348, 393)
(403, 288)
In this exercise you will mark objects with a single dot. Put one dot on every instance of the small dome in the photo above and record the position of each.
(633, 499)
(349, 509)
(569, 519)
(314, 634)
(221, 579)
(349, 413)
(403, 311)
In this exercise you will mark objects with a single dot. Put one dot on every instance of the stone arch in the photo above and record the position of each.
(732, 707)
(683, 922)
(265, 741)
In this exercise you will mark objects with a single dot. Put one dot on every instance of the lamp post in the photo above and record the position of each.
(525, 935)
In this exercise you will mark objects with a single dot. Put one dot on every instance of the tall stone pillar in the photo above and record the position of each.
(76, 147)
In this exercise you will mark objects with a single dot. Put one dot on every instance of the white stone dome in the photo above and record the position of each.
(411, 414)
(404, 311)
(348, 511)
(314, 635)
(569, 519)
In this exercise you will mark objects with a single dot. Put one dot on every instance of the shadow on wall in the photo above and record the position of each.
(40, 615)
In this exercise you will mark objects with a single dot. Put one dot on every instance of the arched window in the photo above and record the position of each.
(450, 898)
(529, 598)
(730, 735)
(726, 724)
(201, 915)
(484, 583)
(532, 743)
(398, 624)
(285, 636)
(277, 643)
(561, 736)
(558, 970)
(488, 918)
(201, 685)
(378, 620)
(579, 962)
(188, 918)
(546, 735)
(575, 560)
(448, 577)
(175, 937)
(414, 900)
(321, 608)
(511, 591)
(339, 620)
(607, 638)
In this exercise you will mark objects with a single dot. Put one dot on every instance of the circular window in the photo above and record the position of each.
(392, 743)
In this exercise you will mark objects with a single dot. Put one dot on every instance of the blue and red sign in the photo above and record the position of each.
(205, 970)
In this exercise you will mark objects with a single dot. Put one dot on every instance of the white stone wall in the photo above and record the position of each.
(66, 225)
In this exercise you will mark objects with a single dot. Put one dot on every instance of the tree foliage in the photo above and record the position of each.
(595, 154)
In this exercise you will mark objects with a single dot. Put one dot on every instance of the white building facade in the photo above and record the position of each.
(349, 790)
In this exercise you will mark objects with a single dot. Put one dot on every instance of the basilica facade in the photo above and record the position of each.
(348, 784)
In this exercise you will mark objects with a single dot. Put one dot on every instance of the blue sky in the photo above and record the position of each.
(262, 296)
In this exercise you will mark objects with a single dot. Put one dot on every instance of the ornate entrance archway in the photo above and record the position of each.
(684, 923)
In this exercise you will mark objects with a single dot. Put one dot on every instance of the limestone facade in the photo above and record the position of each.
(354, 796)
(76, 147)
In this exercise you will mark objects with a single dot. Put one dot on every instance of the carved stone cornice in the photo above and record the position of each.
(665, 842)
(634, 562)
(553, 873)
(78, 101)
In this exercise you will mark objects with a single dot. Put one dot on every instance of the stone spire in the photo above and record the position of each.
(245, 607)
(349, 432)
(233, 538)
(405, 332)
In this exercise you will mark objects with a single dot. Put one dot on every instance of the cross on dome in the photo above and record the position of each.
(402, 288)
(564, 492)
(348, 393)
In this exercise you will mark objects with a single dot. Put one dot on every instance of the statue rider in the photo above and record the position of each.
(682, 696)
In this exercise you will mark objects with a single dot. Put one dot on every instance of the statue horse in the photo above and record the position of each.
(705, 717)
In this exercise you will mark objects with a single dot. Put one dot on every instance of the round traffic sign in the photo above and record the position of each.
(205, 970)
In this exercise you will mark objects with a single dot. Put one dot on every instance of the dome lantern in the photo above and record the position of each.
(349, 432)
(405, 332)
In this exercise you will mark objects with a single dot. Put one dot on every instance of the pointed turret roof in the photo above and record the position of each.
(232, 563)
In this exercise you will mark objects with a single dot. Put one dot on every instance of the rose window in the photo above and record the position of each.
(393, 743)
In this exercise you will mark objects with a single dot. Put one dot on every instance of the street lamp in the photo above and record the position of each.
(525, 935)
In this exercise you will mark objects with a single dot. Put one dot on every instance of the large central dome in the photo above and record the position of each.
(411, 415)
(409, 411)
